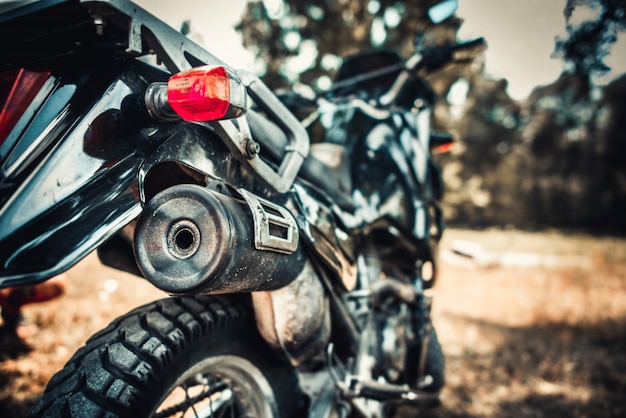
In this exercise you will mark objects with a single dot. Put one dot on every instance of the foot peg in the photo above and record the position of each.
(355, 387)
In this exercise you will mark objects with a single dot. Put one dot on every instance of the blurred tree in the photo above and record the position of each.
(304, 42)
(572, 132)
(587, 43)
(554, 159)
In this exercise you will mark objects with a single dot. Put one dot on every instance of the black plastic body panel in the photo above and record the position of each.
(80, 183)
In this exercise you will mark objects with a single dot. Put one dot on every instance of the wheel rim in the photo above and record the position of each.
(221, 386)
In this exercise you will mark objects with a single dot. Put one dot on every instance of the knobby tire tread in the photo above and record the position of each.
(111, 374)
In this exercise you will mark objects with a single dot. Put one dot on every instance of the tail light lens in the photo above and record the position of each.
(206, 93)
(17, 90)
(442, 148)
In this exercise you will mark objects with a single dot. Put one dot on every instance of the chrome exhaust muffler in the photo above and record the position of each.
(191, 239)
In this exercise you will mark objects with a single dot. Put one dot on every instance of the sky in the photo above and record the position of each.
(215, 25)
(520, 35)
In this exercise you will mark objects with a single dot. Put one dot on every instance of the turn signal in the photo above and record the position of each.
(440, 142)
(206, 93)
(442, 148)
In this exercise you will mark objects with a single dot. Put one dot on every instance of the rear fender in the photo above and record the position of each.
(81, 189)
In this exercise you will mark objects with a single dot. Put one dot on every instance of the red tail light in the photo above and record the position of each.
(17, 90)
(200, 94)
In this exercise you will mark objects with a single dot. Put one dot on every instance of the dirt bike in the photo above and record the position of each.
(296, 270)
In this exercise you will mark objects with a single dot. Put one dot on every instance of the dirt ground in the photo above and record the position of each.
(533, 326)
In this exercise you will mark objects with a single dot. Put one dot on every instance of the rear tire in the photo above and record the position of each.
(206, 348)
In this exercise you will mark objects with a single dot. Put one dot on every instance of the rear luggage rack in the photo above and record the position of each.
(53, 29)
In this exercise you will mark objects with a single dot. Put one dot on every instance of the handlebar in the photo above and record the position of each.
(432, 59)
(468, 50)
(437, 56)
(272, 138)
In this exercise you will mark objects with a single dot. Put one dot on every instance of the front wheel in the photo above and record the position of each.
(197, 356)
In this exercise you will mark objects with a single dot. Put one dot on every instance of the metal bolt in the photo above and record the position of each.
(252, 148)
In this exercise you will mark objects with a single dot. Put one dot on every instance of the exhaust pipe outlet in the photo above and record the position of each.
(190, 239)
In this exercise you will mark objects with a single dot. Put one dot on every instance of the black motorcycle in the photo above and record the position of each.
(297, 270)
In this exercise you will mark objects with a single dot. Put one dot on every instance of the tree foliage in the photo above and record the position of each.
(304, 42)
(587, 42)
(554, 159)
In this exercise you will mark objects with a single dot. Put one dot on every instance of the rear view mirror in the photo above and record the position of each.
(440, 12)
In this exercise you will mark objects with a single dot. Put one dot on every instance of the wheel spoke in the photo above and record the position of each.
(218, 395)
(215, 405)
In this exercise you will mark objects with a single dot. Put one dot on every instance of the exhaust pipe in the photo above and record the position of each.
(190, 239)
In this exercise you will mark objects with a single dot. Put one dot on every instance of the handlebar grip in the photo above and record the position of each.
(476, 42)
(468, 50)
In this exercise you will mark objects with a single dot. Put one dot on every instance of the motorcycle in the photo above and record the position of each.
(296, 270)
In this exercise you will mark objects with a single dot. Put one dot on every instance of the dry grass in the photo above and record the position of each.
(530, 341)
(64, 324)
(519, 341)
